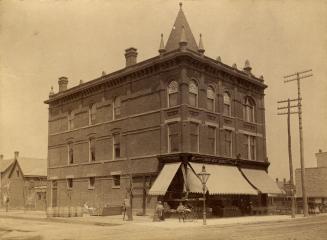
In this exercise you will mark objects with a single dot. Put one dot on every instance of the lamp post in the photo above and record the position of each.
(204, 175)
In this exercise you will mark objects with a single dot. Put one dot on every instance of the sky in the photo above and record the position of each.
(42, 40)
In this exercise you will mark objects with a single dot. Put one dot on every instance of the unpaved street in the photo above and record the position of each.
(299, 229)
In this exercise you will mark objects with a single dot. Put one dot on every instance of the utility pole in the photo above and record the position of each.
(290, 78)
(288, 113)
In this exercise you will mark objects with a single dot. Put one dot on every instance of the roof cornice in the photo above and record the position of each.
(125, 72)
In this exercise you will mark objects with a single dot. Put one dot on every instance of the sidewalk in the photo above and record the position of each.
(144, 220)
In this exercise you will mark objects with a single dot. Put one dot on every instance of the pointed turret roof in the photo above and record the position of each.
(176, 32)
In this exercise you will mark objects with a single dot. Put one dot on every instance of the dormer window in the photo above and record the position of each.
(172, 94)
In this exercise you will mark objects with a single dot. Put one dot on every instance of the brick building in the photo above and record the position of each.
(315, 181)
(156, 122)
(24, 181)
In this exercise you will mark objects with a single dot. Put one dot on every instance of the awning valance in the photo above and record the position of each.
(261, 181)
(164, 179)
(223, 180)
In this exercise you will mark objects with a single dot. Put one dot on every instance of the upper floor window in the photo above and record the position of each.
(250, 147)
(70, 153)
(69, 183)
(194, 136)
(116, 181)
(193, 93)
(92, 149)
(172, 93)
(91, 183)
(116, 145)
(92, 114)
(116, 107)
(211, 99)
(227, 104)
(228, 143)
(173, 143)
(212, 140)
(249, 110)
(70, 120)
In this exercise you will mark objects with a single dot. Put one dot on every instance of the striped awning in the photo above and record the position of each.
(164, 179)
(261, 181)
(223, 180)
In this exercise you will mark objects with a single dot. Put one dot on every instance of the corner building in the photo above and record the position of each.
(153, 124)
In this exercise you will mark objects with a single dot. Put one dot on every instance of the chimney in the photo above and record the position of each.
(1, 157)
(16, 153)
(276, 180)
(130, 55)
(63, 83)
(284, 181)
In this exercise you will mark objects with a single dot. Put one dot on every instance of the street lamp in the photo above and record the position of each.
(204, 175)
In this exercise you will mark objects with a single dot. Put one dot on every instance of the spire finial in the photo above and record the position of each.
(201, 48)
(247, 67)
(162, 45)
(234, 66)
(218, 59)
(51, 91)
(180, 5)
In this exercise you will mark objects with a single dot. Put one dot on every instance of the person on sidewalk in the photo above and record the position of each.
(181, 212)
(159, 210)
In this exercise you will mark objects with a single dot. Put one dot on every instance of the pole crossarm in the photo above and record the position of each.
(291, 100)
(296, 79)
(294, 106)
(285, 113)
(291, 75)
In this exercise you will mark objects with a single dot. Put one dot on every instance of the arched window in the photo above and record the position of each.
(227, 104)
(70, 120)
(92, 114)
(211, 99)
(172, 94)
(249, 109)
(116, 107)
(193, 93)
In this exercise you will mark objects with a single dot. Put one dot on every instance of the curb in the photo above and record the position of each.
(60, 220)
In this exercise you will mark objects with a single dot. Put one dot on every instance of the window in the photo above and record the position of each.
(116, 144)
(250, 147)
(249, 110)
(194, 136)
(172, 94)
(211, 99)
(212, 140)
(70, 120)
(228, 143)
(92, 150)
(227, 104)
(92, 114)
(173, 143)
(70, 153)
(17, 173)
(116, 181)
(116, 107)
(91, 182)
(193, 93)
(69, 183)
